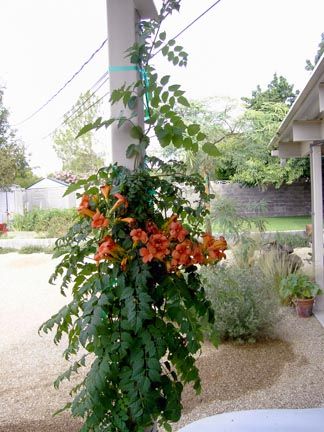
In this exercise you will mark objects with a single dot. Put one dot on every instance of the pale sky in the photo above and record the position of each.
(237, 45)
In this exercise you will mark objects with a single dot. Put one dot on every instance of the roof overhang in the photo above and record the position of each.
(304, 123)
(146, 8)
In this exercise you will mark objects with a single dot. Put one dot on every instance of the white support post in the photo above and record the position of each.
(317, 219)
(121, 18)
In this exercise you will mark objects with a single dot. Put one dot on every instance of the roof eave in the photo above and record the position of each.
(290, 117)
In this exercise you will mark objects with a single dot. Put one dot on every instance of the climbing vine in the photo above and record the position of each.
(130, 265)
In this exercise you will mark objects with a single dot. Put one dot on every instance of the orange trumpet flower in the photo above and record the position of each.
(158, 246)
(128, 220)
(138, 235)
(108, 249)
(99, 220)
(147, 256)
(83, 208)
(177, 232)
(123, 263)
(105, 190)
(121, 200)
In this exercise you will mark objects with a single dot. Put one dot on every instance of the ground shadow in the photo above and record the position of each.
(234, 370)
(57, 424)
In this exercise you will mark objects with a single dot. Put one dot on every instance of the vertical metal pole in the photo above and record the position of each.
(121, 19)
(317, 218)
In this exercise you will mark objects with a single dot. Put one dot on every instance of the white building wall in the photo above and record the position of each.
(47, 198)
(11, 203)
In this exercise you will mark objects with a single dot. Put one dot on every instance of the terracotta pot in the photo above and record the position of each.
(304, 307)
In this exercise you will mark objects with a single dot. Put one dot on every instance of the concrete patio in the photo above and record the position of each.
(284, 420)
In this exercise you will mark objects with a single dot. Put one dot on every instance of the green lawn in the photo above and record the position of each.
(287, 223)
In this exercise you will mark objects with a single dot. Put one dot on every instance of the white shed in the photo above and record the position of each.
(48, 193)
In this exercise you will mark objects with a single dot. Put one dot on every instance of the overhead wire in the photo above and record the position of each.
(85, 101)
(76, 110)
(81, 113)
(93, 104)
(190, 24)
(99, 80)
(106, 73)
(174, 38)
(64, 86)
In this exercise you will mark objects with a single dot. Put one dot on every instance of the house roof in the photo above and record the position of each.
(303, 123)
(50, 180)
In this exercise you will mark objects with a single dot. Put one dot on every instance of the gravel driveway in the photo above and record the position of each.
(287, 371)
(29, 363)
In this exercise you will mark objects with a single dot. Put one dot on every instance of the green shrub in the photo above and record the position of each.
(244, 251)
(5, 250)
(232, 222)
(276, 266)
(245, 304)
(52, 222)
(25, 222)
(292, 240)
(35, 249)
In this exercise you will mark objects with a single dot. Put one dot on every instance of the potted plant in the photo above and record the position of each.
(302, 291)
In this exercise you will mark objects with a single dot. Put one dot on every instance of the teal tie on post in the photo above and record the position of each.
(122, 68)
(144, 79)
(146, 82)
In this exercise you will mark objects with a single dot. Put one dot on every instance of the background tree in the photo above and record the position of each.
(26, 179)
(13, 161)
(78, 155)
(309, 65)
(219, 121)
(278, 90)
(242, 138)
(250, 154)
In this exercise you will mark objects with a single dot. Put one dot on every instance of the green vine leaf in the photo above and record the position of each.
(211, 149)
(183, 101)
(74, 187)
(131, 151)
(162, 36)
(193, 129)
(164, 80)
(174, 87)
(165, 50)
(136, 132)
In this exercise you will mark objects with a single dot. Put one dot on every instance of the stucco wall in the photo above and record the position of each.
(289, 200)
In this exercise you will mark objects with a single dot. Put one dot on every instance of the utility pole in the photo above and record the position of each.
(122, 19)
